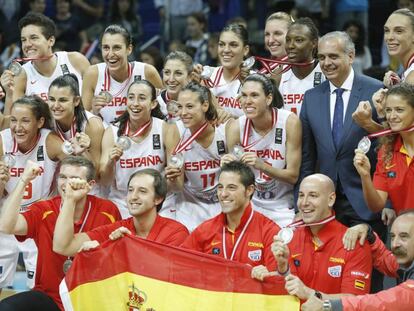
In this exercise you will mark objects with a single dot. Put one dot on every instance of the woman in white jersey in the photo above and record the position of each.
(28, 138)
(224, 81)
(114, 75)
(398, 36)
(38, 34)
(175, 75)
(269, 140)
(301, 44)
(150, 141)
(201, 146)
(71, 122)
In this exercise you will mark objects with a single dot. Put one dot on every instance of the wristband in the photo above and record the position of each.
(370, 236)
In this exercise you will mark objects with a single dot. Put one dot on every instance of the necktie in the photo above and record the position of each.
(338, 117)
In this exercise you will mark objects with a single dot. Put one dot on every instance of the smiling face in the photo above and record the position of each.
(399, 36)
(274, 39)
(34, 43)
(141, 197)
(175, 76)
(24, 126)
(140, 103)
(399, 113)
(315, 199)
(335, 63)
(115, 51)
(232, 194)
(62, 103)
(253, 100)
(299, 44)
(231, 50)
(402, 239)
(191, 111)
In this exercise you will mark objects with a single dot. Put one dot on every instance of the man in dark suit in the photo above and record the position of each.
(330, 135)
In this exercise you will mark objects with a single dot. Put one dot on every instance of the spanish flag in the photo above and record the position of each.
(135, 274)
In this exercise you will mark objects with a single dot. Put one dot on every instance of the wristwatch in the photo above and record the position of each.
(327, 305)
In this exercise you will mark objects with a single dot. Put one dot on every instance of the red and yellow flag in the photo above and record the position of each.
(135, 274)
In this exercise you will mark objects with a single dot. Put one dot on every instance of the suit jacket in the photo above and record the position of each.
(318, 146)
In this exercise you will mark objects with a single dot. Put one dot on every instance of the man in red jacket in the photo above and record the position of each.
(398, 298)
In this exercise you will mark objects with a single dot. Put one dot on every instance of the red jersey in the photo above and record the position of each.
(164, 230)
(398, 298)
(330, 268)
(41, 220)
(396, 178)
(249, 243)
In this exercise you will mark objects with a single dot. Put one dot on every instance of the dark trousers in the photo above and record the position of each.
(29, 301)
(346, 215)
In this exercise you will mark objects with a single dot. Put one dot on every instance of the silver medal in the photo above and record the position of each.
(364, 144)
(107, 95)
(67, 147)
(249, 62)
(66, 265)
(177, 160)
(8, 160)
(207, 72)
(286, 235)
(123, 142)
(238, 151)
(172, 107)
(15, 68)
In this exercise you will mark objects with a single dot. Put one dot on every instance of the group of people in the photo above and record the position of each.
(217, 160)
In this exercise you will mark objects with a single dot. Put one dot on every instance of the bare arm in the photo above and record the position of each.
(95, 130)
(54, 147)
(152, 75)
(16, 91)
(79, 61)
(107, 163)
(174, 175)
(88, 87)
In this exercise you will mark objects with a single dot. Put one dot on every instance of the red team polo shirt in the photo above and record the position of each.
(164, 230)
(330, 268)
(41, 220)
(254, 246)
(396, 178)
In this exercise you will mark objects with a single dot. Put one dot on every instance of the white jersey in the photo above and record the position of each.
(273, 198)
(41, 187)
(38, 84)
(118, 90)
(226, 92)
(148, 153)
(198, 201)
(409, 69)
(293, 88)
(38, 189)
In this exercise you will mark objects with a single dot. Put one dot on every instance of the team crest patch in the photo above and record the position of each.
(156, 142)
(335, 271)
(255, 255)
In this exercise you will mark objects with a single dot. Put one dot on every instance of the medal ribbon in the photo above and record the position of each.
(217, 79)
(301, 223)
(389, 131)
(26, 59)
(184, 144)
(107, 80)
(238, 239)
(61, 133)
(410, 61)
(248, 129)
(137, 132)
(270, 64)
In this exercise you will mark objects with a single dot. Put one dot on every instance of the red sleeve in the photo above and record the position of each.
(356, 277)
(271, 229)
(380, 176)
(33, 216)
(101, 233)
(383, 260)
(399, 297)
(177, 236)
